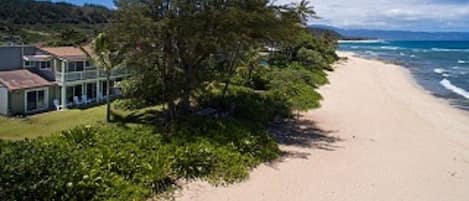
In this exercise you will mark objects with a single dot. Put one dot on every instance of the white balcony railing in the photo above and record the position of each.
(89, 75)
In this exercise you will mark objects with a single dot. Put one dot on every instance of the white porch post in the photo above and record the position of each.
(83, 89)
(64, 96)
(64, 88)
(98, 97)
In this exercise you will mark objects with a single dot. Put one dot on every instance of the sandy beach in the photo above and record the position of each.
(377, 137)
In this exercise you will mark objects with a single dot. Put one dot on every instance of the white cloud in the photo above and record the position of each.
(418, 15)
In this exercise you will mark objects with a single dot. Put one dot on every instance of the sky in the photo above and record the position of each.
(411, 15)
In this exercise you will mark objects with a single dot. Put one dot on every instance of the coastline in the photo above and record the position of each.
(394, 141)
(410, 78)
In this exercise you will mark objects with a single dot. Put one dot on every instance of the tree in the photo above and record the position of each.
(192, 44)
(106, 54)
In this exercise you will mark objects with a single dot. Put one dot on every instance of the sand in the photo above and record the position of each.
(378, 137)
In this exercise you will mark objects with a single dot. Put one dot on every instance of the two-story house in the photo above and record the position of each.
(40, 79)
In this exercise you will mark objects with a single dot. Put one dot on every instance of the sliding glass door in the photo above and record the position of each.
(74, 91)
(36, 100)
(91, 91)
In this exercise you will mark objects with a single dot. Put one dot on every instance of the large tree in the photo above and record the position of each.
(191, 44)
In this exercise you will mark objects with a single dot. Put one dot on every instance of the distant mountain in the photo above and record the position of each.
(49, 23)
(396, 35)
(45, 12)
(323, 31)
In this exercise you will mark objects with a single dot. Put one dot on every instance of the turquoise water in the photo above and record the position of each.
(442, 67)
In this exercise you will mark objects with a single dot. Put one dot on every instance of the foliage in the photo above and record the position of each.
(248, 105)
(142, 88)
(295, 87)
(130, 104)
(251, 60)
(188, 45)
(53, 24)
(107, 55)
(115, 163)
(46, 12)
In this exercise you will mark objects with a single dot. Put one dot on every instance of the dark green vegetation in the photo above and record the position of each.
(28, 21)
(116, 163)
(221, 70)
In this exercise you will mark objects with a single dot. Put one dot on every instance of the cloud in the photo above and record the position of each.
(416, 15)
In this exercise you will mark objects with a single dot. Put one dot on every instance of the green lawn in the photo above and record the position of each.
(48, 123)
(53, 122)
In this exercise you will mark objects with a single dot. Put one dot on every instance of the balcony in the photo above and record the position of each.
(90, 75)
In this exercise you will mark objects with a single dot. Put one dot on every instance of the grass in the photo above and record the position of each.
(48, 123)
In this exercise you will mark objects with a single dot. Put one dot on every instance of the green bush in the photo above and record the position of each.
(248, 105)
(120, 164)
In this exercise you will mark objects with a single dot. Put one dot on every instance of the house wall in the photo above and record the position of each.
(46, 74)
(12, 56)
(17, 100)
(3, 101)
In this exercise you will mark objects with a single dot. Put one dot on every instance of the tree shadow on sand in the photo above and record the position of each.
(302, 133)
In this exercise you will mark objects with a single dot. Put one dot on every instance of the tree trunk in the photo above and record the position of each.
(108, 98)
(231, 71)
(186, 96)
(171, 111)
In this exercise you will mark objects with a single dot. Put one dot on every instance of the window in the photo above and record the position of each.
(80, 65)
(28, 63)
(89, 66)
(31, 100)
(71, 67)
(44, 65)
(75, 66)
(36, 100)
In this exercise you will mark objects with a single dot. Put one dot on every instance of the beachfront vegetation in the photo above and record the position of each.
(222, 70)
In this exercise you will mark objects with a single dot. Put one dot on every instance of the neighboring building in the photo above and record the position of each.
(40, 79)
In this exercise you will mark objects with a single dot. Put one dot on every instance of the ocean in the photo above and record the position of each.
(441, 67)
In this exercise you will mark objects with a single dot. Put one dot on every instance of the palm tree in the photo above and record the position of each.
(304, 10)
(106, 55)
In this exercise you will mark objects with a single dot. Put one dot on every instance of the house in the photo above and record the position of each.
(41, 79)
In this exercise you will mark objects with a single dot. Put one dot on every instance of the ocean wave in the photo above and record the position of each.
(371, 53)
(420, 50)
(449, 50)
(448, 85)
(462, 62)
(412, 56)
(362, 41)
(439, 70)
(390, 48)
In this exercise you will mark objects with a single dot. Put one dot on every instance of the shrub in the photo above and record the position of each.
(120, 164)
(249, 105)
